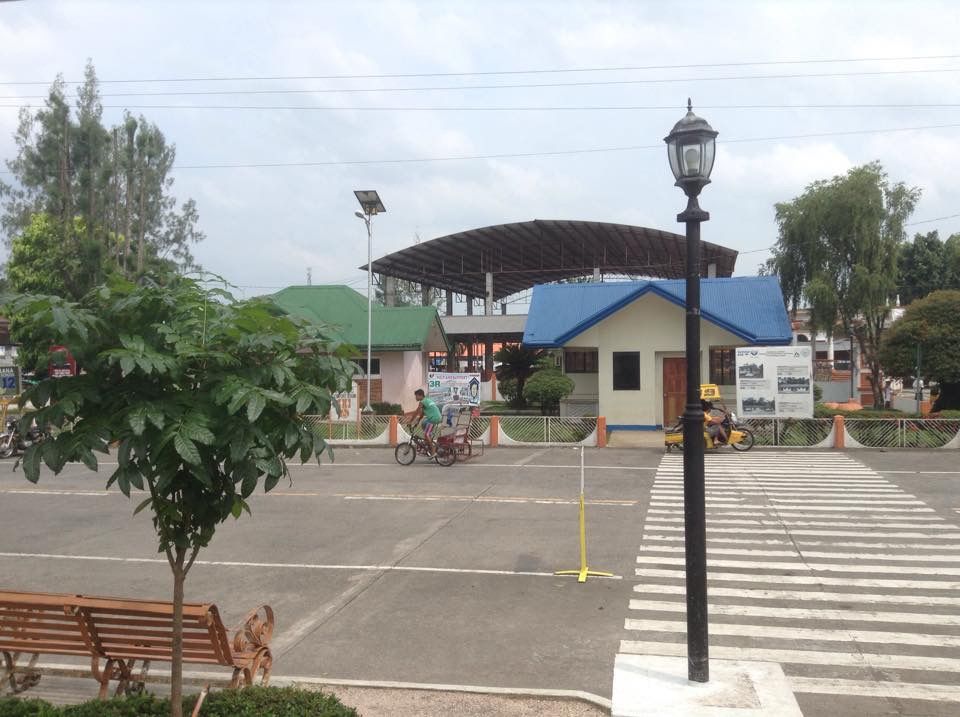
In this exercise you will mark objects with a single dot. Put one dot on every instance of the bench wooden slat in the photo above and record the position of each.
(60, 648)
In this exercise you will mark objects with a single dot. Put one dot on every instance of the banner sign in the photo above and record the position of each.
(349, 404)
(9, 380)
(446, 388)
(774, 382)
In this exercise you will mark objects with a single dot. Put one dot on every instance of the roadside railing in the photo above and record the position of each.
(837, 432)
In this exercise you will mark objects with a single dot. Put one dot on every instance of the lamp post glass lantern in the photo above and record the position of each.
(691, 148)
(371, 205)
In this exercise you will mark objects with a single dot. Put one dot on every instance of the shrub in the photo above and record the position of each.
(510, 390)
(248, 702)
(382, 408)
(548, 387)
(817, 393)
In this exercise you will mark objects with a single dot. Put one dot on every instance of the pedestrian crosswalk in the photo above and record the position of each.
(815, 562)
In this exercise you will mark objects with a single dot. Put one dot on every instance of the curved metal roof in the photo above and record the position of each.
(523, 254)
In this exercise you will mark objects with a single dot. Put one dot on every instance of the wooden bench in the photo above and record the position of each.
(122, 633)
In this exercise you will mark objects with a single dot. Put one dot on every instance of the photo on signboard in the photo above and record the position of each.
(750, 370)
(793, 384)
(759, 405)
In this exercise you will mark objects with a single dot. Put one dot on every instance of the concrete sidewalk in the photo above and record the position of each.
(369, 699)
(635, 439)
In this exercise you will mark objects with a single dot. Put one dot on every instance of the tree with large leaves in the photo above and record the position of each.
(203, 395)
(929, 326)
(517, 363)
(837, 252)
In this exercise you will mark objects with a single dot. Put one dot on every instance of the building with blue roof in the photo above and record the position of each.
(623, 342)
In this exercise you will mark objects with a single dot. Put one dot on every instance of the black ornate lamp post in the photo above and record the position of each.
(691, 148)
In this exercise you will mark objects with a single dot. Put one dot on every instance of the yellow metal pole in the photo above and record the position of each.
(583, 571)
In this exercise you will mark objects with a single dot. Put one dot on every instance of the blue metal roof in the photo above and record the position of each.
(750, 307)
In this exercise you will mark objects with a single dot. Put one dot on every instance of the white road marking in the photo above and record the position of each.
(799, 565)
(801, 542)
(717, 576)
(840, 533)
(804, 657)
(39, 491)
(862, 688)
(900, 618)
(800, 595)
(297, 566)
(808, 554)
(798, 633)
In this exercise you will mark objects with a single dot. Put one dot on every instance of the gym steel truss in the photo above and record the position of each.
(522, 254)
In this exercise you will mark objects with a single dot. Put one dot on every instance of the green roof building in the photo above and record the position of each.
(403, 336)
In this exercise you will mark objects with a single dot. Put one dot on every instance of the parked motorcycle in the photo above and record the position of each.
(13, 442)
(739, 437)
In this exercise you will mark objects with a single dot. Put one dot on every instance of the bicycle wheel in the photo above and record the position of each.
(405, 453)
(446, 455)
(746, 443)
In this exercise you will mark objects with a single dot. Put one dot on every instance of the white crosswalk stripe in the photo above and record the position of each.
(815, 561)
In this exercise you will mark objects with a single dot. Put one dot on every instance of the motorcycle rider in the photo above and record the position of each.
(713, 418)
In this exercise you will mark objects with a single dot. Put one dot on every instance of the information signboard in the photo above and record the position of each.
(446, 388)
(349, 404)
(774, 382)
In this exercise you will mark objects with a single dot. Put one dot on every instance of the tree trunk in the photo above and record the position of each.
(176, 667)
(143, 221)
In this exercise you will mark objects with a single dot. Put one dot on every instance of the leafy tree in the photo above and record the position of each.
(923, 267)
(931, 324)
(204, 396)
(116, 181)
(548, 386)
(517, 363)
(837, 251)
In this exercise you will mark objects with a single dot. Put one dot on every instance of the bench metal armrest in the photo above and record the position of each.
(255, 631)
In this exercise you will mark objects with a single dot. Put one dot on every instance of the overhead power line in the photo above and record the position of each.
(494, 73)
(553, 153)
(536, 108)
(529, 85)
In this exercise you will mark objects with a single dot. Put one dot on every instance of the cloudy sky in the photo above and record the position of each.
(315, 99)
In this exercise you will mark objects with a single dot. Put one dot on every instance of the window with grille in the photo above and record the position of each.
(723, 366)
(580, 362)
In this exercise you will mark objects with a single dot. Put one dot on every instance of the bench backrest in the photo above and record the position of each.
(36, 622)
(110, 628)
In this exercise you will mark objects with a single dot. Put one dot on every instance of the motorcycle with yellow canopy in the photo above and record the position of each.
(739, 437)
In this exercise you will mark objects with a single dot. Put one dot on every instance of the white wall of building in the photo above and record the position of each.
(654, 327)
(403, 372)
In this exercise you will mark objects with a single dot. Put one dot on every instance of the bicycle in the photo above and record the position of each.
(406, 453)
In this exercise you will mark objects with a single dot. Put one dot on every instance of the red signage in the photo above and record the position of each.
(61, 362)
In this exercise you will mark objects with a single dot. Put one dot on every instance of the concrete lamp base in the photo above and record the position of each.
(649, 685)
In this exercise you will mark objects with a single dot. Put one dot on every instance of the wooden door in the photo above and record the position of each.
(674, 389)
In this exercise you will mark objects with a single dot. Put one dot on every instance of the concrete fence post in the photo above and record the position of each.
(601, 432)
(839, 438)
(494, 431)
(394, 422)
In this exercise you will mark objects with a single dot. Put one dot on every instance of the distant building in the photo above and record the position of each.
(403, 337)
(624, 342)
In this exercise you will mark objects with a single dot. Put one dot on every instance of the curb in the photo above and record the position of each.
(219, 679)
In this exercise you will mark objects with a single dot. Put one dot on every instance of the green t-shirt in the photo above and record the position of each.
(430, 410)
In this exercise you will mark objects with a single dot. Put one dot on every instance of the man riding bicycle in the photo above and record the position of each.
(428, 411)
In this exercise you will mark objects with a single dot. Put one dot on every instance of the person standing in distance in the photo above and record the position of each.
(427, 410)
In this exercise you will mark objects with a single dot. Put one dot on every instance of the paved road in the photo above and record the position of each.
(435, 575)
(819, 563)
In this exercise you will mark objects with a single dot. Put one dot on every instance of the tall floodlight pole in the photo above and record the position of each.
(371, 204)
(691, 149)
